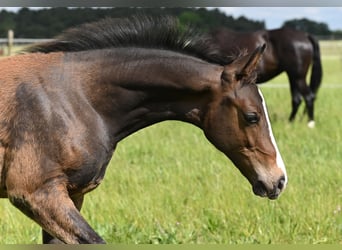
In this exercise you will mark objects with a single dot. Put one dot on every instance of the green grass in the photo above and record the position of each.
(167, 184)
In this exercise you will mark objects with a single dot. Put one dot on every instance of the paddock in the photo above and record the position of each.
(182, 191)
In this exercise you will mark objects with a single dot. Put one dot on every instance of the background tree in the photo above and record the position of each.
(47, 23)
(312, 27)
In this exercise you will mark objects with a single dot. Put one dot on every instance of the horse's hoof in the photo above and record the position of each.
(311, 124)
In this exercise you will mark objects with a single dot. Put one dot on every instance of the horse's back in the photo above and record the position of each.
(233, 42)
(293, 48)
(288, 35)
(287, 49)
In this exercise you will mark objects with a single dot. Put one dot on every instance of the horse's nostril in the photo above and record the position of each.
(281, 183)
(272, 191)
(260, 189)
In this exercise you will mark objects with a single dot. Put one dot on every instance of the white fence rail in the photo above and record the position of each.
(6, 44)
(22, 41)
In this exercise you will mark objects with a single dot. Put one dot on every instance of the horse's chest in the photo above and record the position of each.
(83, 156)
(85, 167)
(81, 147)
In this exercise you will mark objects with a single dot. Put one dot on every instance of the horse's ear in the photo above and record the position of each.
(247, 64)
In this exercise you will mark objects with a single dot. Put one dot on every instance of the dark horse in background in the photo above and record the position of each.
(66, 104)
(287, 50)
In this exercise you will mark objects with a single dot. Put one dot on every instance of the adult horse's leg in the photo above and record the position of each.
(309, 101)
(48, 238)
(296, 99)
(299, 90)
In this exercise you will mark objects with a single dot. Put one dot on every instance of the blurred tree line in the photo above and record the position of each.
(46, 23)
(316, 28)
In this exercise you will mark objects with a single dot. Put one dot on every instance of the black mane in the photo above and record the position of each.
(136, 31)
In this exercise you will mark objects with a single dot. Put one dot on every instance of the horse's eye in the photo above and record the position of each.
(251, 117)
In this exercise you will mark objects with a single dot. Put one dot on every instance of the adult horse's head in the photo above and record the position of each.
(237, 124)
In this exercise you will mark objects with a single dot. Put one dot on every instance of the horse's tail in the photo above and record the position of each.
(316, 71)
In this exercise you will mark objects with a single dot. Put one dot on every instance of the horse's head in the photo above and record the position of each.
(237, 123)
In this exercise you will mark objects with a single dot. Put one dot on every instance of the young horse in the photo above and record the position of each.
(66, 105)
(287, 50)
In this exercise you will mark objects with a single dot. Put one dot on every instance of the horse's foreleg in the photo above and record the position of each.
(51, 207)
(48, 238)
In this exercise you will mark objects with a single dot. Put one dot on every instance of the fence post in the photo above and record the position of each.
(10, 41)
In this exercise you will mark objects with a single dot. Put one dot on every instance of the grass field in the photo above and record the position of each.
(167, 184)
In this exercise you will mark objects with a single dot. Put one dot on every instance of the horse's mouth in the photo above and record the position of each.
(260, 189)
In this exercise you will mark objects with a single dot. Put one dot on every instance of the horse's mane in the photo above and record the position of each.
(160, 32)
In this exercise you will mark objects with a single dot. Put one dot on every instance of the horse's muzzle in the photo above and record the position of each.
(272, 192)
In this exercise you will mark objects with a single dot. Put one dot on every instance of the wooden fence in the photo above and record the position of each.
(7, 44)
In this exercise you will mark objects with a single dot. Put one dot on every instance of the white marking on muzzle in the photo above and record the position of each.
(279, 159)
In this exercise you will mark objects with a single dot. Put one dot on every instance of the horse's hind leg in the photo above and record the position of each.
(299, 90)
(48, 238)
(296, 99)
(309, 101)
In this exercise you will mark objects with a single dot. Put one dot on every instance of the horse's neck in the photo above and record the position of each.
(149, 87)
(161, 69)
